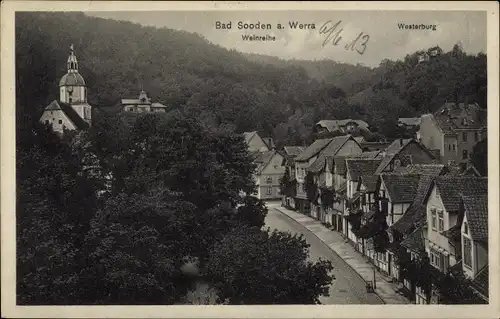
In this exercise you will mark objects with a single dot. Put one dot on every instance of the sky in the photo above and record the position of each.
(378, 33)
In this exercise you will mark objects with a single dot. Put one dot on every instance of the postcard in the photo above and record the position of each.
(249, 159)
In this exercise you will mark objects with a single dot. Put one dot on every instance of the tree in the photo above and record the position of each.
(479, 157)
(253, 212)
(55, 202)
(251, 266)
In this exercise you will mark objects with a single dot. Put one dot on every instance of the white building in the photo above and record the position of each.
(71, 111)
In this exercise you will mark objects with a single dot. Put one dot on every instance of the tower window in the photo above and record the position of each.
(60, 121)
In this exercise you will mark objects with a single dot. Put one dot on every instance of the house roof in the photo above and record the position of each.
(333, 125)
(262, 159)
(428, 169)
(451, 188)
(476, 210)
(313, 149)
(391, 152)
(410, 121)
(453, 116)
(481, 282)
(327, 147)
(158, 105)
(70, 113)
(416, 213)
(318, 165)
(401, 188)
(370, 182)
(293, 151)
(361, 167)
(415, 241)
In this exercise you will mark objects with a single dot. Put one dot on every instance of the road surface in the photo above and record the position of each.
(348, 287)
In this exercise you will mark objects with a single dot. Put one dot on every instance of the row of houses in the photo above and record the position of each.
(401, 199)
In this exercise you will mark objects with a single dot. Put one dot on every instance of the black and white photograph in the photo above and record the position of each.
(226, 154)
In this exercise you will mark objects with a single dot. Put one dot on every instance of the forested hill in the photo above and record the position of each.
(220, 86)
(348, 77)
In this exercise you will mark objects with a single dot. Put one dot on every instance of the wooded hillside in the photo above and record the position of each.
(278, 98)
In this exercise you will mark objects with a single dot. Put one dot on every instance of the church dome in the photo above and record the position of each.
(72, 79)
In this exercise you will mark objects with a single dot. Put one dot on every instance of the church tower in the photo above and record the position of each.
(73, 90)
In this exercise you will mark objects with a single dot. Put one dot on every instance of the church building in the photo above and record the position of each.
(71, 111)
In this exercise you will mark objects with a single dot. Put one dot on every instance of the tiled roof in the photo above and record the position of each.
(335, 145)
(410, 121)
(481, 282)
(401, 188)
(471, 170)
(476, 210)
(415, 241)
(262, 159)
(332, 125)
(293, 150)
(428, 169)
(370, 182)
(391, 152)
(313, 149)
(361, 167)
(452, 187)
(451, 117)
(416, 213)
(317, 165)
(70, 113)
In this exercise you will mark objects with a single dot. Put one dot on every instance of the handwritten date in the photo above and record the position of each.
(332, 33)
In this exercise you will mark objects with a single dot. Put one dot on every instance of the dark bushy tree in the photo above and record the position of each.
(250, 266)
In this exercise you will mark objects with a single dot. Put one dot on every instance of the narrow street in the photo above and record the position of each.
(348, 287)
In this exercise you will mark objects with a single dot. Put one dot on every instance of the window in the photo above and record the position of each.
(60, 121)
(433, 218)
(437, 259)
(465, 154)
(441, 220)
(269, 191)
(269, 180)
(70, 99)
(449, 147)
(476, 136)
(466, 228)
(46, 121)
(453, 146)
(464, 136)
(467, 252)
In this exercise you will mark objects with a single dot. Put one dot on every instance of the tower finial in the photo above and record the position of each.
(71, 47)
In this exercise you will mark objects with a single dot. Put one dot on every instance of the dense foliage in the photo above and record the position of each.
(278, 98)
(113, 214)
(250, 266)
